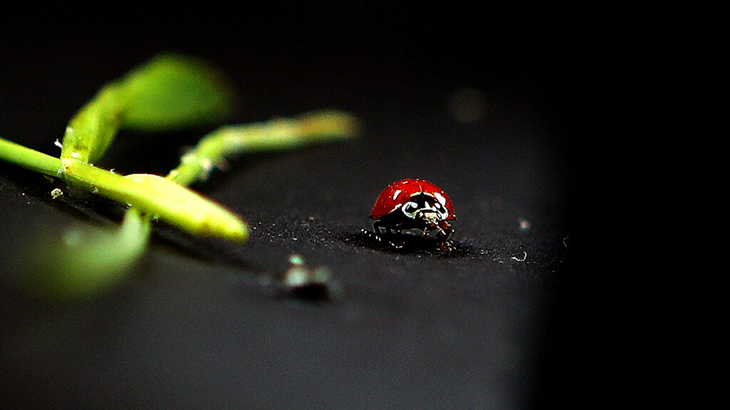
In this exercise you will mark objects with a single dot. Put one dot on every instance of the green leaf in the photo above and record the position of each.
(93, 128)
(82, 261)
(168, 93)
(172, 92)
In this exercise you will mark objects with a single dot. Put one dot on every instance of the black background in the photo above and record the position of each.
(194, 327)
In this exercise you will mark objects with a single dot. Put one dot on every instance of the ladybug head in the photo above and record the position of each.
(427, 207)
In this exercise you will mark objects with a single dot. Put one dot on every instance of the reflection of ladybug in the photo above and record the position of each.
(413, 205)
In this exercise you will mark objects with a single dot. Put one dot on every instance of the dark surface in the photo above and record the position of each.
(195, 327)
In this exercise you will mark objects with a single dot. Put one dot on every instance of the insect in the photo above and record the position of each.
(413, 206)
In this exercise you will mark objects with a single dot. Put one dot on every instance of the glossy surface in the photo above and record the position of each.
(398, 193)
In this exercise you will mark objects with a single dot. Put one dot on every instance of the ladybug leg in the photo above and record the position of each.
(445, 231)
(377, 232)
(380, 231)
(372, 235)
(378, 227)
(397, 245)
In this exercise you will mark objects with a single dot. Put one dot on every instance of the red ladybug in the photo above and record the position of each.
(412, 205)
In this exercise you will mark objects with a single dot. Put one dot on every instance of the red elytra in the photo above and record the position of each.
(399, 192)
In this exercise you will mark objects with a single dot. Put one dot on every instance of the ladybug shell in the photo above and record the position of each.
(399, 192)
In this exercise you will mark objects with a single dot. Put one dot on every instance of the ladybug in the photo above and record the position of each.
(413, 206)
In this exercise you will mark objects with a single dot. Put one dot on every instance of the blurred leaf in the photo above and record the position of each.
(81, 262)
(168, 93)
(172, 92)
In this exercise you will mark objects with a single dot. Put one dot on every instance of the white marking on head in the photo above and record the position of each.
(410, 209)
(440, 198)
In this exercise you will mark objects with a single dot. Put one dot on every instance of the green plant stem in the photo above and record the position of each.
(30, 158)
(161, 198)
(150, 194)
(274, 135)
(172, 202)
(87, 261)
